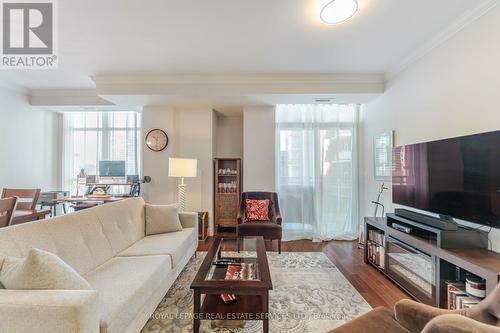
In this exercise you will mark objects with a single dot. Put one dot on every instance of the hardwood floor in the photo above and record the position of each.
(373, 286)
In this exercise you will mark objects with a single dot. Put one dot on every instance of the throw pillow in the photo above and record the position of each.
(161, 219)
(40, 270)
(257, 210)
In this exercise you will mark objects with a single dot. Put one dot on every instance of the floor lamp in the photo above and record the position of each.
(182, 168)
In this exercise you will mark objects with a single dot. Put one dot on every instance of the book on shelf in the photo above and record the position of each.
(376, 254)
(376, 248)
(458, 298)
(376, 237)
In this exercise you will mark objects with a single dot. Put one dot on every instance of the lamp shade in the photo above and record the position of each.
(182, 167)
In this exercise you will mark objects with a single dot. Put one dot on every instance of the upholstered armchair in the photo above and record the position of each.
(412, 317)
(271, 229)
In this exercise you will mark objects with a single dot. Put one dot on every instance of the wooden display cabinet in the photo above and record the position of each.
(227, 191)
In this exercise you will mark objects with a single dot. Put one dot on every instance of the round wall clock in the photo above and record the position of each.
(156, 140)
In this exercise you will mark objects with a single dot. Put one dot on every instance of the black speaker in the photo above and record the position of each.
(426, 219)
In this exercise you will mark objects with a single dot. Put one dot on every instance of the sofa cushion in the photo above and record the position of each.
(40, 270)
(175, 244)
(77, 238)
(124, 285)
(122, 222)
(161, 219)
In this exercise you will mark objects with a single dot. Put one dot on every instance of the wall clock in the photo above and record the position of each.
(156, 140)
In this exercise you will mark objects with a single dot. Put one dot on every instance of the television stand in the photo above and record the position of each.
(422, 259)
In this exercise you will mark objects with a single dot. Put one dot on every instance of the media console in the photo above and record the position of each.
(423, 260)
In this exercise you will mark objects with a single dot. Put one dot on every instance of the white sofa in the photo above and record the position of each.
(129, 271)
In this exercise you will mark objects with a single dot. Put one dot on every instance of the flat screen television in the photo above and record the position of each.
(111, 168)
(458, 177)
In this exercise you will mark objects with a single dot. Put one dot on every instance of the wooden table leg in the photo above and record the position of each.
(196, 312)
(265, 310)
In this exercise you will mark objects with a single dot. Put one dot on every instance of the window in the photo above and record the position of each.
(317, 170)
(93, 136)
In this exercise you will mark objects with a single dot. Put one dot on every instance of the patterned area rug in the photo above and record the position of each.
(310, 295)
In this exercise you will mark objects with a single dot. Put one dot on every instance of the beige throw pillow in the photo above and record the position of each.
(161, 219)
(40, 270)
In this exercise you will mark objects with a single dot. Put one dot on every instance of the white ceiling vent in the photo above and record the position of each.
(324, 100)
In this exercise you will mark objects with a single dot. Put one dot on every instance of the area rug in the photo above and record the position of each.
(310, 295)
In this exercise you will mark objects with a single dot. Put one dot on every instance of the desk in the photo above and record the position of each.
(135, 187)
(90, 199)
(22, 216)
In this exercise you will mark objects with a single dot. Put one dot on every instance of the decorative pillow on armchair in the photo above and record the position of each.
(257, 210)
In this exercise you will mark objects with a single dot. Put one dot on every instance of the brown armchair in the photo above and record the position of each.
(412, 317)
(271, 229)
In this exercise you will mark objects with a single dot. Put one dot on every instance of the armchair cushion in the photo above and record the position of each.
(455, 323)
(378, 320)
(257, 210)
(256, 228)
(414, 316)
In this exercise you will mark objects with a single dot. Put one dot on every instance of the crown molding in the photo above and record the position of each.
(243, 84)
(66, 97)
(444, 35)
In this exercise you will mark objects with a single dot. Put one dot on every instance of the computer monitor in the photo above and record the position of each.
(111, 169)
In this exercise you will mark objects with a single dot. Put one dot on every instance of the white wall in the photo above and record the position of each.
(452, 91)
(229, 136)
(190, 136)
(28, 144)
(259, 149)
(162, 189)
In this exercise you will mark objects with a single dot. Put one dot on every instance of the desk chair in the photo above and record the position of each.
(7, 207)
(47, 199)
(27, 198)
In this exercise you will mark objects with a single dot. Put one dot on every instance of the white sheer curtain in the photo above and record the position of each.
(92, 136)
(317, 171)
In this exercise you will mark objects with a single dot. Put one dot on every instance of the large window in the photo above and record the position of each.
(93, 136)
(317, 170)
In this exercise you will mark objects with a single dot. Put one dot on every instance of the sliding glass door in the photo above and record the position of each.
(317, 171)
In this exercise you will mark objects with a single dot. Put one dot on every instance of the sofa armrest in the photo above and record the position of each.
(44, 311)
(457, 323)
(414, 316)
(189, 220)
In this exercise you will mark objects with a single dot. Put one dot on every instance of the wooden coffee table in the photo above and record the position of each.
(252, 296)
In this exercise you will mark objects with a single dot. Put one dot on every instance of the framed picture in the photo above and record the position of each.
(382, 155)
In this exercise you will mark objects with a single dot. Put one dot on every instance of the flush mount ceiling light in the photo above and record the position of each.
(338, 11)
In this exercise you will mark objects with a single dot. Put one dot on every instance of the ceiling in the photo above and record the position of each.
(228, 37)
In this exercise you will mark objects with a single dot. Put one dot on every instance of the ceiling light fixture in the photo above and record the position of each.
(338, 11)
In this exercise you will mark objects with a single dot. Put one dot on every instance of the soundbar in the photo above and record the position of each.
(426, 219)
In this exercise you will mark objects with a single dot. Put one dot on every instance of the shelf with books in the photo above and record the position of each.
(375, 248)
(458, 298)
(476, 271)
(462, 289)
